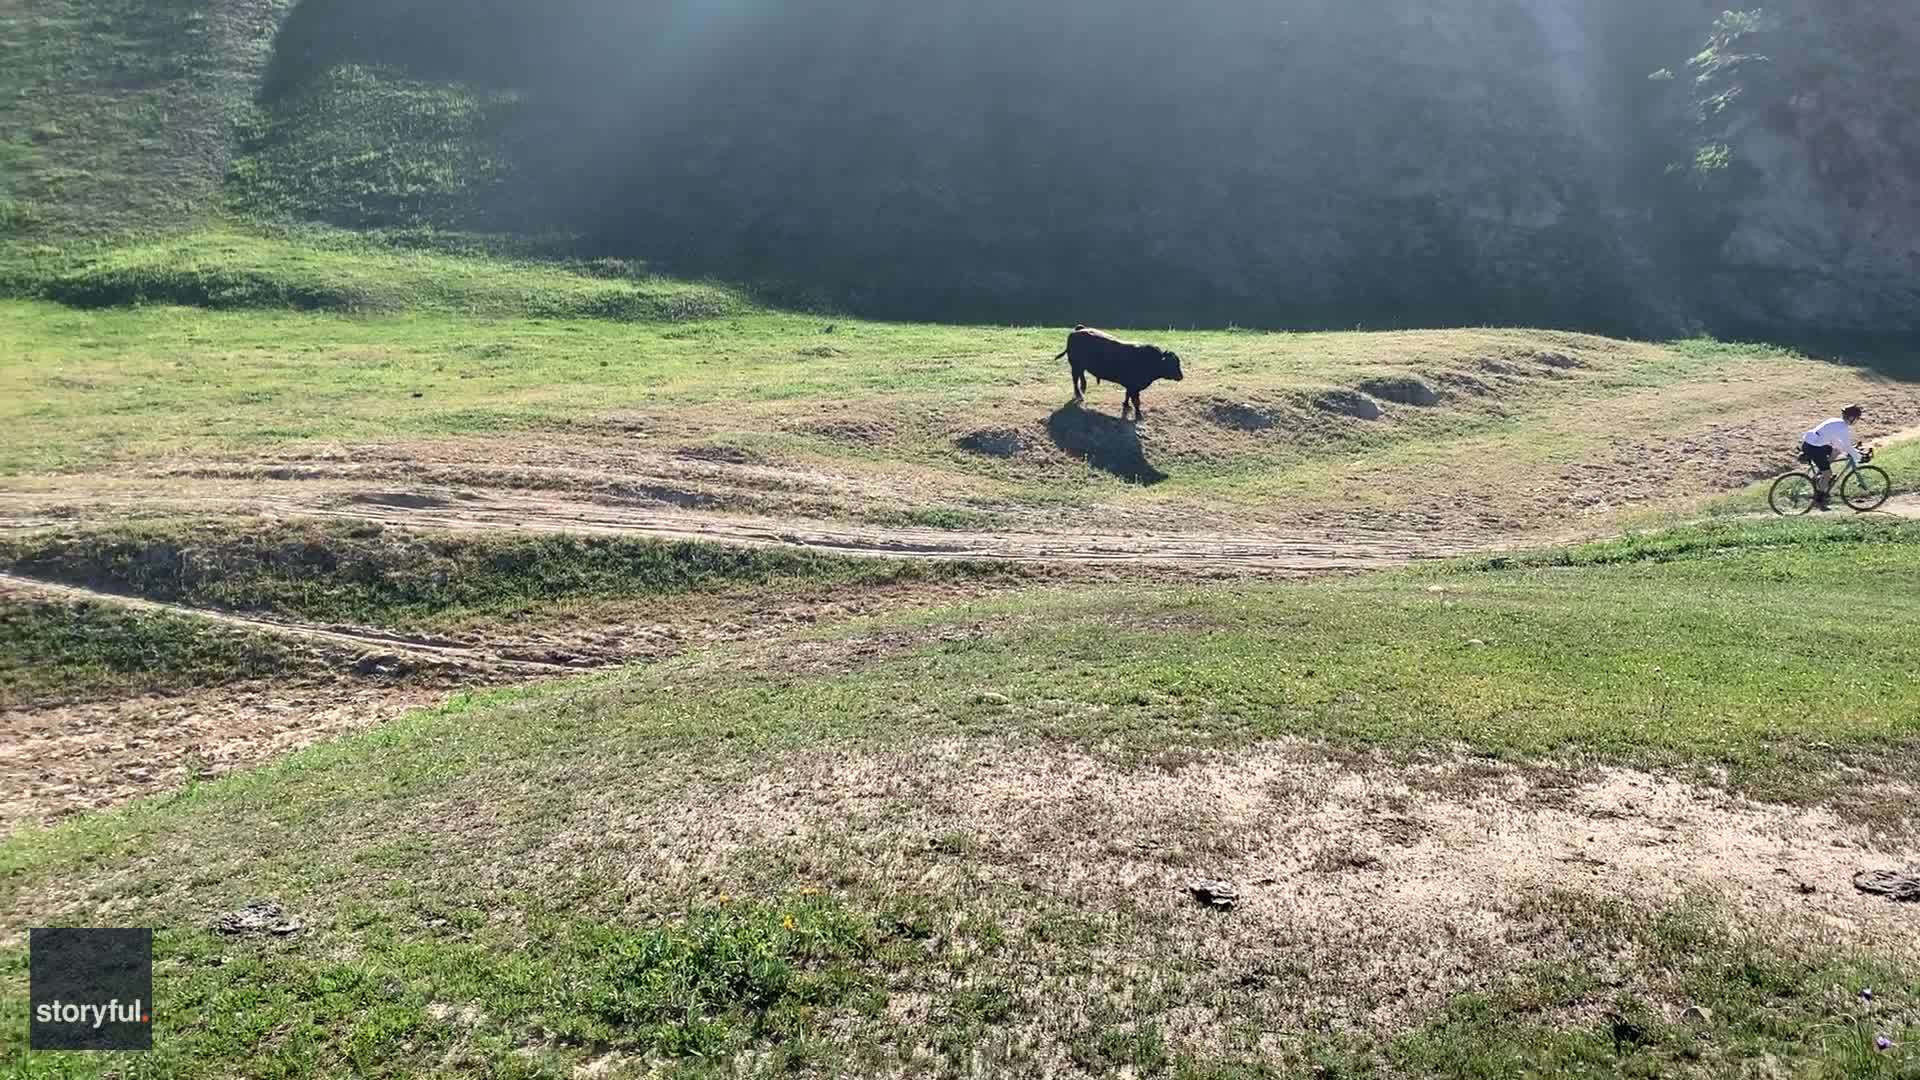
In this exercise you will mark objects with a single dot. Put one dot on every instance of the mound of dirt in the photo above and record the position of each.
(994, 442)
(1401, 390)
(1557, 360)
(1348, 403)
(1463, 383)
(720, 454)
(848, 432)
(1237, 416)
(1501, 367)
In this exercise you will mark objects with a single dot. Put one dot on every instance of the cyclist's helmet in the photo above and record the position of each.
(1852, 413)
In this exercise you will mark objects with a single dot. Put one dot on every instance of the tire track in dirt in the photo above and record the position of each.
(359, 639)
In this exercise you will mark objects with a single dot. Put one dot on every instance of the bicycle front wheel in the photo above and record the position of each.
(1792, 495)
(1866, 488)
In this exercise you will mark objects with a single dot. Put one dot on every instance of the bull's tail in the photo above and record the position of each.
(1069, 348)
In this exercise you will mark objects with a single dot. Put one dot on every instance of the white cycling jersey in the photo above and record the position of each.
(1838, 434)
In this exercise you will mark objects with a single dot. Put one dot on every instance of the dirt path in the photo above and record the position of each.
(1906, 506)
(1342, 548)
(65, 756)
(438, 650)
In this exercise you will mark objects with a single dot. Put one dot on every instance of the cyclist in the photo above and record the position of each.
(1819, 446)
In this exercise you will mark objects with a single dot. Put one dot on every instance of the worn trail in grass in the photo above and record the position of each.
(143, 656)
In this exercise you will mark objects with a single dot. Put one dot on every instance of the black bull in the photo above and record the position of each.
(1107, 358)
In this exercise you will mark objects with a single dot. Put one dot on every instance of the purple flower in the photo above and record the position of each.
(1883, 1044)
(1866, 993)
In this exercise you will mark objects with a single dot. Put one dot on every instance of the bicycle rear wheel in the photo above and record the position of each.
(1792, 495)
(1866, 488)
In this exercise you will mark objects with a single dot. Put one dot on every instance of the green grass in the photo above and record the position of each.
(938, 518)
(372, 148)
(368, 575)
(504, 853)
(117, 117)
(322, 271)
(1844, 544)
(52, 651)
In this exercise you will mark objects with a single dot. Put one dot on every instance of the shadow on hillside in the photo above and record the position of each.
(1107, 443)
(1894, 356)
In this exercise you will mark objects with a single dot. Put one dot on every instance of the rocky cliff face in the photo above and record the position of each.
(1820, 187)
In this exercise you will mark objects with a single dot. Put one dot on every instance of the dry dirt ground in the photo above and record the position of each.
(1369, 890)
(61, 759)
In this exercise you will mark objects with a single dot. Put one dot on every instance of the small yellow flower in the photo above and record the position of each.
(787, 922)
(725, 899)
(809, 890)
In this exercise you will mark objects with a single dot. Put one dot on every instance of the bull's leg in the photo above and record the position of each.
(1134, 396)
(1079, 384)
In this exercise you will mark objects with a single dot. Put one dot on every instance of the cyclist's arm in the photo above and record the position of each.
(1844, 444)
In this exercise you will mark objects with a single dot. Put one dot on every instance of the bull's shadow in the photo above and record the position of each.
(1107, 443)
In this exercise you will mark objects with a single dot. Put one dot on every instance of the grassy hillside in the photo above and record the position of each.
(325, 271)
(375, 149)
(1440, 168)
(597, 379)
(420, 861)
(119, 117)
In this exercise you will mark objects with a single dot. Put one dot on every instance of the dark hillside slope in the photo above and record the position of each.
(1302, 162)
(118, 116)
(1263, 162)
(1310, 162)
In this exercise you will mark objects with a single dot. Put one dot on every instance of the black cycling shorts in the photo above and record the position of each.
(1821, 456)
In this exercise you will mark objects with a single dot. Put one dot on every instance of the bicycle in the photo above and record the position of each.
(1863, 487)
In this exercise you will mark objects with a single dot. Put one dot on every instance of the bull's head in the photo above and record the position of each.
(1170, 365)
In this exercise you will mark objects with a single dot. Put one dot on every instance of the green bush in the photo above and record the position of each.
(206, 286)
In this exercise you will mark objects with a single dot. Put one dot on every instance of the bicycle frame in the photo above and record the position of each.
(1839, 475)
